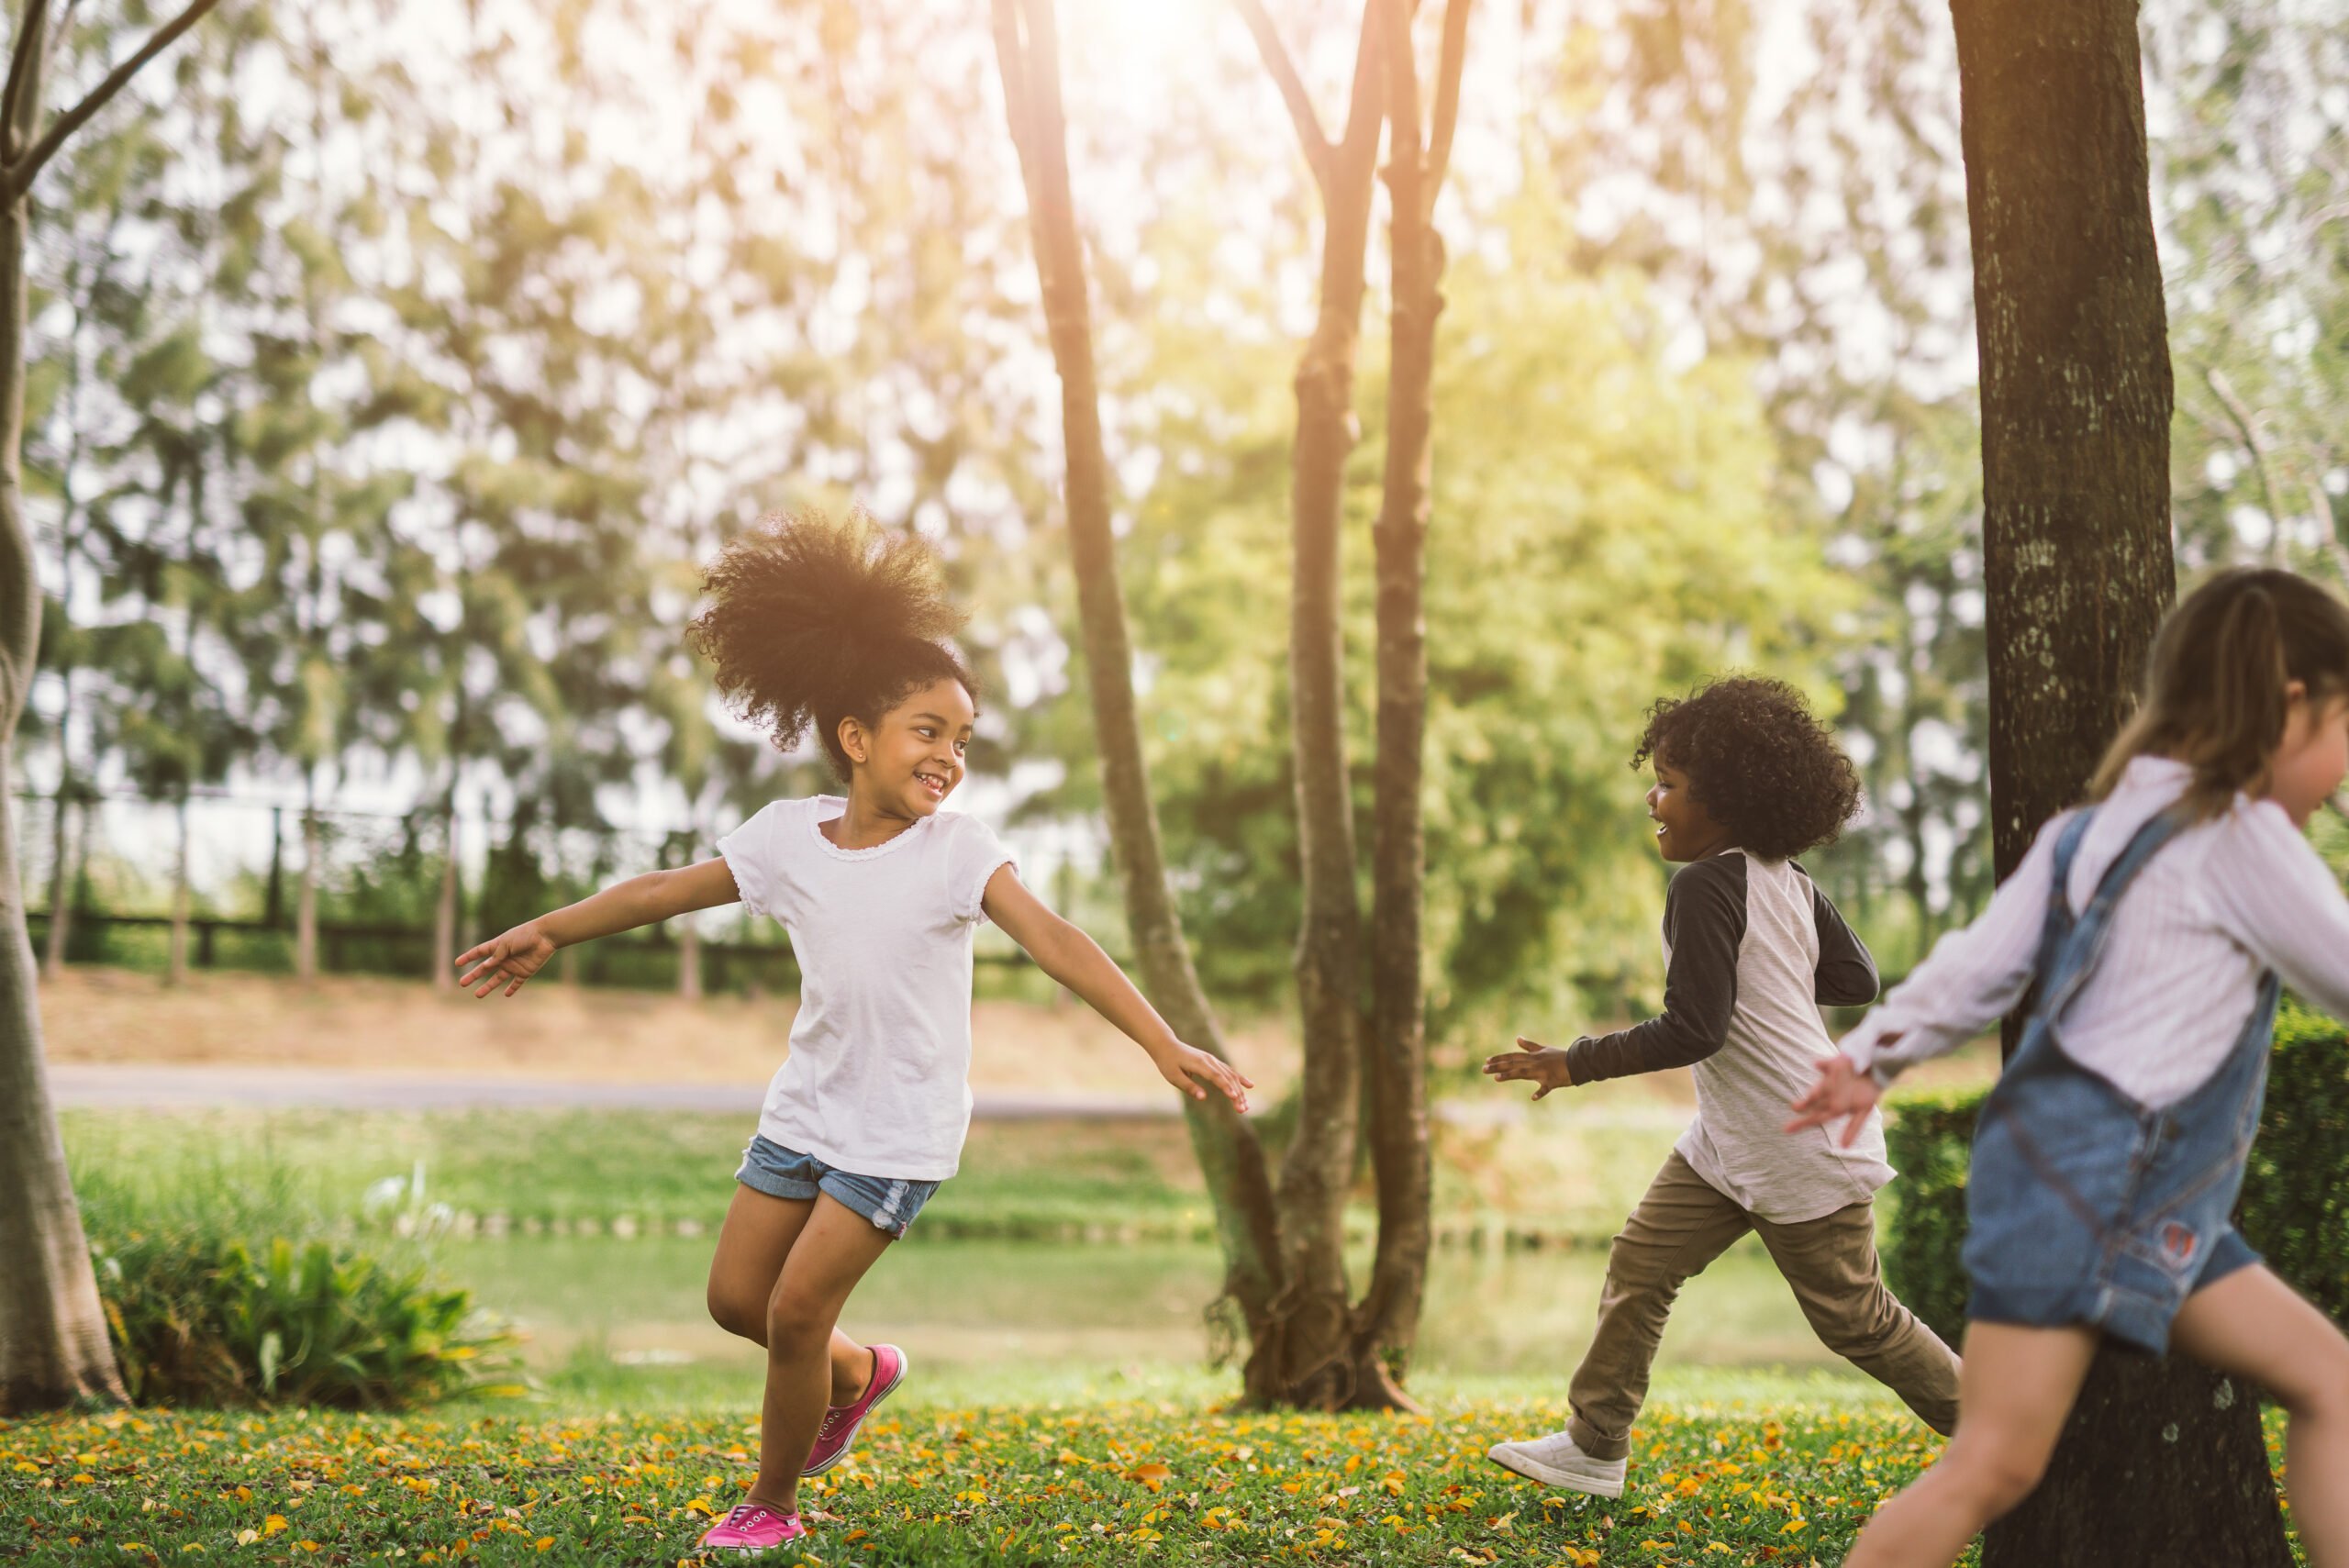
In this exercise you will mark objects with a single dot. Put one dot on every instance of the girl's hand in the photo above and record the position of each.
(512, 958)
(1544, 1066)
(1195, 1071)
(1842, 1091)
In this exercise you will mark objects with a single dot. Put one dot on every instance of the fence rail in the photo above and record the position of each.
(650, 961)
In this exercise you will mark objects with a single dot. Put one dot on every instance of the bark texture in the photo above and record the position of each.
(1314, 1340)
(53, 1346)
(2162, 1462)
(1387, 1321)
(2075, 389)
(1027, 53)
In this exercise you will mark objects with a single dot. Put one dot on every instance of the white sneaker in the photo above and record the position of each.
(1554, 1461)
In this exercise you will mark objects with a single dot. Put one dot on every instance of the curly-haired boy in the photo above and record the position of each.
(1747, 778)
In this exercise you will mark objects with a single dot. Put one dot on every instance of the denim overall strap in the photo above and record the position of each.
(2084, 1204)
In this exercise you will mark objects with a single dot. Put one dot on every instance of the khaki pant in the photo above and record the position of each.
(1683, 1224)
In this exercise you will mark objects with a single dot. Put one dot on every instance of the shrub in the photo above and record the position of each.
(199, 1317)
(2295, 1208)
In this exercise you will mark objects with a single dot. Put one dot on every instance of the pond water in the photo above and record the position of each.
(639, 1302)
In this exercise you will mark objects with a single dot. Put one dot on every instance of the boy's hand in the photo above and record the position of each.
(1189, 1068)
(1544, 1066)
(512, 958)
(1841, 1091)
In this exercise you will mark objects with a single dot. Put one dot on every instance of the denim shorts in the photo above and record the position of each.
(888, 1202)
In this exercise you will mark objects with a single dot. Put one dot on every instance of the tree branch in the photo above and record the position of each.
(1309, 136)
(23, 170)
(27, 42)
(2248, 431)
(1447, 95)
(1403, 151)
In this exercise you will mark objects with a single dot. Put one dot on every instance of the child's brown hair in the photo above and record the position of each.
(1758, 760)
(2214, 694)
(813, 620)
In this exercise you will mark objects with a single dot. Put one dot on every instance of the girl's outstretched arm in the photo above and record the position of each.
(519, 953)
(1076, 961)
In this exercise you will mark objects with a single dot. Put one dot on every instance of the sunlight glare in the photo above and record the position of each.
(1142, 43)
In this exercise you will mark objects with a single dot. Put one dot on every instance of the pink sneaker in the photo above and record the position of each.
(753, 1527)
(841, 1421)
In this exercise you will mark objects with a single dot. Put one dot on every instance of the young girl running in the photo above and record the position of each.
(1746, 779)
(2153, 923)
(833, 626)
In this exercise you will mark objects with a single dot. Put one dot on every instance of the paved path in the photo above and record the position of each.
(130, 1086)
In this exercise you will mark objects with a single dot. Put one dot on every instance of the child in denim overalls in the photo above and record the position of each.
(2151, 927)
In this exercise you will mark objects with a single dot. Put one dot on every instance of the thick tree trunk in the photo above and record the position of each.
(177, 973)
(1387, 1321)
(2155, 1466)
(53, 1344)
(2075, 389)
(1028, 50)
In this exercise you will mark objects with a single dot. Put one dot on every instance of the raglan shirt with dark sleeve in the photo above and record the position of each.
(1752, 949)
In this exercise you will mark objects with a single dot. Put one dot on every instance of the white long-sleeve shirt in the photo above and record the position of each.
(2221, 902)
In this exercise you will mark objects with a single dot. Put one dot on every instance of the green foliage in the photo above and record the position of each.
(1628, 548)
(1929, 1137)
(2295, 1190)
(2295, 1208)
(201, 1318)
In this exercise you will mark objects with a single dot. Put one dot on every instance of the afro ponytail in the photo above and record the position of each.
(813, 620)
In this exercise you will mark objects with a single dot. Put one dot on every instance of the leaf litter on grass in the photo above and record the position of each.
(1171, 1482)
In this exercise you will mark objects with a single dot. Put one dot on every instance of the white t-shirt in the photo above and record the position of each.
(2228, 898)
(878, 1081)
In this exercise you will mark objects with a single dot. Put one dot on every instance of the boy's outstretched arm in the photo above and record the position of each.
(1076, 961)
(1704, 925)
(515, 955)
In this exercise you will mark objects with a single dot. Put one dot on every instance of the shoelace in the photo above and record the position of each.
(742, 1515)
(834, 1418)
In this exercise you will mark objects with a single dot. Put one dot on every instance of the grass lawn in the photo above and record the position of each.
(1728, 1469)
(1568, 1175)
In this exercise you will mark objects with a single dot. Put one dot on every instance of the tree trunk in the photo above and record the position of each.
(1314, 1359)
(1387, 1322)
(305, 902)
(53, 1344)
(176, 975)
(444, 908)
(61, 876)
(1027, 53)
(688, 959)
(2155, 1466)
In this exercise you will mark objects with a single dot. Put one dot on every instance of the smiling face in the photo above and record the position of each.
(2314, 756)
(1685, 830)
(909, 762)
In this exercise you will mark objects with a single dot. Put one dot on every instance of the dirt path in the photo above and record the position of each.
(128, 1085)
(405, 1031)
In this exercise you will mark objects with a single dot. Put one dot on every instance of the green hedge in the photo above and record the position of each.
(2295, 1193)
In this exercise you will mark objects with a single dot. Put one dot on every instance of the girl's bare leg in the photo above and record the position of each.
(2256, 1326)
(756, 1238)
(836, 1245)
(2015, 1389)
